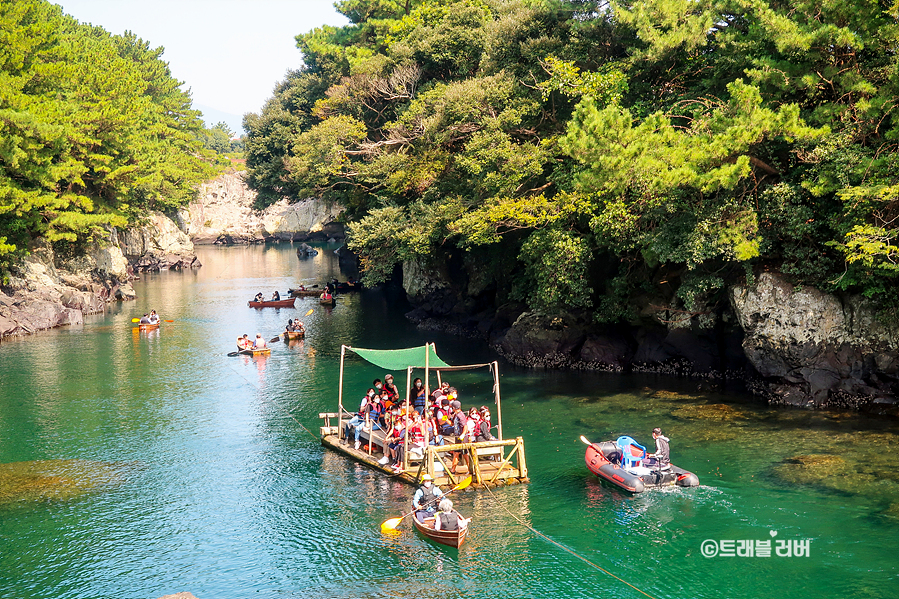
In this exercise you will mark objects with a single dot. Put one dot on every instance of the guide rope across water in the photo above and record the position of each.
(564, 548)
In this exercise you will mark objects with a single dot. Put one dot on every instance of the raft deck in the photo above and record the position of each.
(494, 463)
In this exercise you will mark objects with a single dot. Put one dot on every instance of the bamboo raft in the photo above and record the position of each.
(493, 463)
(291, 335)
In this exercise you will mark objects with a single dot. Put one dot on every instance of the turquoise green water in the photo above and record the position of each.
(137, 465)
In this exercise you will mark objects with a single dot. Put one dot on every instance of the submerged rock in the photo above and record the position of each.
(813, 469)
(57, 480)
(717, 411)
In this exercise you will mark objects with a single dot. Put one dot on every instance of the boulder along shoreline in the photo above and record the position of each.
(45, 290)
(788, 345)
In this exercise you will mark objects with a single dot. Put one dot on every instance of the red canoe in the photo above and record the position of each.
(288, 303)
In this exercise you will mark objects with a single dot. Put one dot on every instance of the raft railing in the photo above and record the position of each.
(509, 462)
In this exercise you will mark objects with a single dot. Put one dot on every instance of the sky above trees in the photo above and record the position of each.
(229, 53)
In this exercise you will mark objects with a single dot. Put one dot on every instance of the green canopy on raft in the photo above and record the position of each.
(400, 359)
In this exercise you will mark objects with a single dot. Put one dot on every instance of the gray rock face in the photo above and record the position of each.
(46, 291)
(38, 296)
(158, 245)
(814, 348)
(535, 340)
(421, 280)
(223, 213)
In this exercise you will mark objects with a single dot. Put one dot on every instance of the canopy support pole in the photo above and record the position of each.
(499, 413)
(340, 393)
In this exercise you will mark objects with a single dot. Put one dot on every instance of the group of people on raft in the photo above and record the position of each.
(437, 416)
(151, 318)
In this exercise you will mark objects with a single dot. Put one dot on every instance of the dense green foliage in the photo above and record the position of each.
(615, 150)
(93, 129)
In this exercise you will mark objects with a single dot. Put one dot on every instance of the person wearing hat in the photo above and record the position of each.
(425, 499)
(391, 389)
(260, 342)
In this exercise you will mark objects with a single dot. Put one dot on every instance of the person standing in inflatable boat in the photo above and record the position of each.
(662, 457)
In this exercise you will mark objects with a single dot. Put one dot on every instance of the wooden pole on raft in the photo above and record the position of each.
(499, 412)
(424, 421)
(340, 393)
(408, 419)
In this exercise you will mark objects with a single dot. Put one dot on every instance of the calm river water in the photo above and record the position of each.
(138, 465)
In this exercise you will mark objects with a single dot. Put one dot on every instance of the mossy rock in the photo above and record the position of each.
(60, 480)
(811, 469)
(892, 511)
(675, 396)
(715, 411)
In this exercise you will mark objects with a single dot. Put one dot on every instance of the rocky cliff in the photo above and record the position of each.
(46, 290)
(817, 349)
(223, 213)
(792, 346)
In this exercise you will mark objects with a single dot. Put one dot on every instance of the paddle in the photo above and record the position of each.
(278, 338)
(138, 320)
(584, 439)
(392, 523)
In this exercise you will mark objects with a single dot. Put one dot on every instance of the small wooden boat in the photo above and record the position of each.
(605, 461)
(332, 301)
(146, 326)
(305, 292)
(452, 538)
(294, 334)
(262, 351)
(348, 286)
(288, 303)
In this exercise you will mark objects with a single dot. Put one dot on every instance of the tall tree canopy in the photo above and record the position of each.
(93, 129)
(608, 146)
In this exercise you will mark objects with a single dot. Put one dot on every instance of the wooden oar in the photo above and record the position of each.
(278, 338)
(391, 524)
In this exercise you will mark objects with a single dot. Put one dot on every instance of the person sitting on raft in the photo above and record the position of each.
(425, 499)
(358, 421)
(276, 297)
(448, 518)
(259, 297)
(145, 319)
(298, 326)
(418, 396)
(260, 342)
(244, 342)
(661, 459)
(154, 317)
(392, 391)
